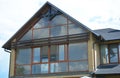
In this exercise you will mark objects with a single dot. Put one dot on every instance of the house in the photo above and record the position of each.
(52, 44)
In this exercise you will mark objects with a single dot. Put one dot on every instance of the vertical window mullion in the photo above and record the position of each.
(31, 61)
(119, 52)
(67, 55)
(108, 54)
(48, 59)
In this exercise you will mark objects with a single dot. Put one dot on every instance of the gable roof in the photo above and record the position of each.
(109, 34)
(32, 21)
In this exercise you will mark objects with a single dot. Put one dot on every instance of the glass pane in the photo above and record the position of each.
(44, 68)
(58, 20)
(44, 54)
(104, 54)
(78, 51)
(36, 69)
(78, 66)
(43, 22)
(61, 52)
(23, 56)
(58, 31)
(113, 53)
(69, 21)
(20, 70)
(58, 67)
(74, 29)
(54, 53)
(27, 36)
(36, 56)
(40, 33)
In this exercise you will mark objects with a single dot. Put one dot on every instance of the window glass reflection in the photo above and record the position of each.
(44, 68)
(113, 53)
(23, 56)
(58, 31)
(58, 67)
(44, 54)
(36, 55)
(78, 66)
(74, 29)
(40, 33)
(54, 53)
(36, 69)
(61, 52)
(27, 36)
(58, 20)
(43, 22)
(78, 51)
(104, 54)
(21, 70)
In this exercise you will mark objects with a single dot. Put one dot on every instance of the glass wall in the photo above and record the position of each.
(52, 59)
(44, 59)
(52, 24)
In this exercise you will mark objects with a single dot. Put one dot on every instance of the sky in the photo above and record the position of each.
(95, 14)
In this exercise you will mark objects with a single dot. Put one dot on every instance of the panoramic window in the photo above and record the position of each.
(63, 56)
(52, 59)
(52, 25)
(109, 53)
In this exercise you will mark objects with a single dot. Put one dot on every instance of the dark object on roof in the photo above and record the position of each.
(108, 69)
(109, 34)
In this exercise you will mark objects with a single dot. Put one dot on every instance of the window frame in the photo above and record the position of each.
(108, 47)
